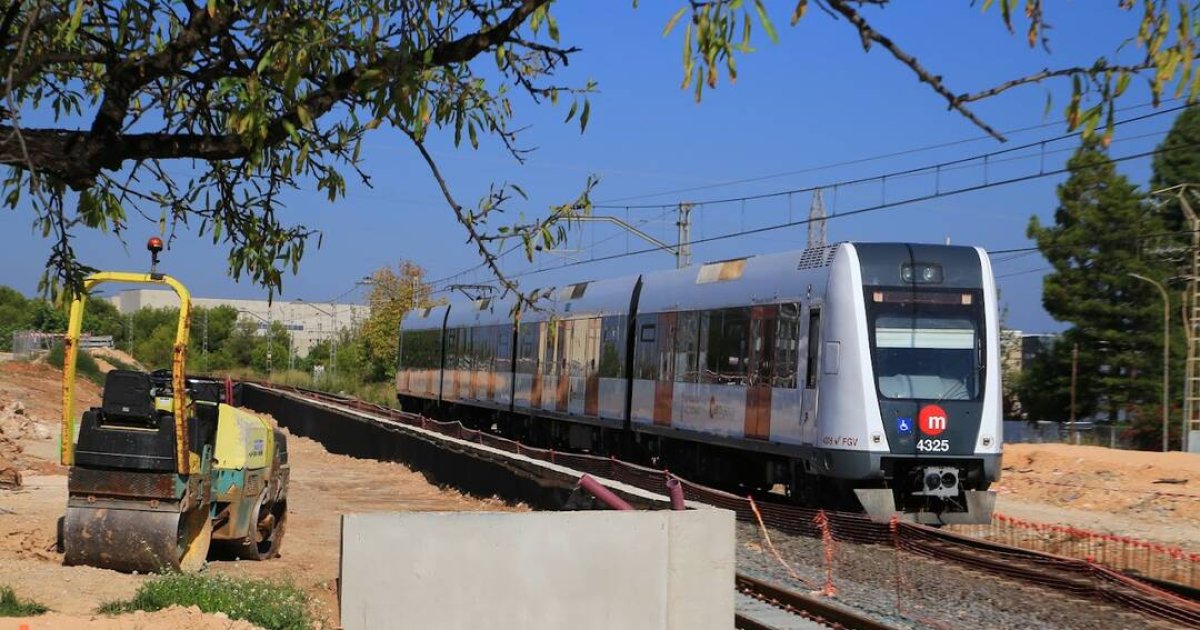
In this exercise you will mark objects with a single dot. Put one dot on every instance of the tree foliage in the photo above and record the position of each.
(1092, 247)
(393, 293)
(199, 116)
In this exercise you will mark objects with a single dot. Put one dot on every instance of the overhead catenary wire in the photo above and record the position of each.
(868, 209)
(855, 161)
(936, 167)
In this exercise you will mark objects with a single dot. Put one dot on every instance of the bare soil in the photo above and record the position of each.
(1152, 496)
(323, 487)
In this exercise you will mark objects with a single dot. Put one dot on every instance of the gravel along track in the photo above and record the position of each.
(870, 578)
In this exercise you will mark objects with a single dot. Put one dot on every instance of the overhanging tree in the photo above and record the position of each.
(199, 115)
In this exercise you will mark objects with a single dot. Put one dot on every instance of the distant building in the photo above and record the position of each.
(308, 322)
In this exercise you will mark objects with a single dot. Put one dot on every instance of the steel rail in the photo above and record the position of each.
(804, 605)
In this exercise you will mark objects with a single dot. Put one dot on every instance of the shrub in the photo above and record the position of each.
(10, 606)
(85, 365)
(271, 605)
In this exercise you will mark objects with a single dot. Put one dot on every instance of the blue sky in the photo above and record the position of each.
(812, 100)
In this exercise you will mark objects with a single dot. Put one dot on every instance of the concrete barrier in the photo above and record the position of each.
(533, 570)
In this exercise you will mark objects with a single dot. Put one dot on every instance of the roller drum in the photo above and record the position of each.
(134, 538)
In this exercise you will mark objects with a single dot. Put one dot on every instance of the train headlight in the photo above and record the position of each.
(921, 273)
(932, 481)
(949, 480)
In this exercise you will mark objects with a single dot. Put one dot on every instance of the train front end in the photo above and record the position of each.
(927, 335)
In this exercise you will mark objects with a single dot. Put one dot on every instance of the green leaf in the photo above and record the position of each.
(583, 117)
(766, 21)
(76, 20)
(674, 19)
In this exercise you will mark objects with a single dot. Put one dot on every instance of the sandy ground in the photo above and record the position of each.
(323, 486)
(1127, 493)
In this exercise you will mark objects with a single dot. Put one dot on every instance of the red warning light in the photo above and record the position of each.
(155, 244)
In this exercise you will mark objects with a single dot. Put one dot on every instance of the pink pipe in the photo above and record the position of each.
(606, 496)
(675, 489)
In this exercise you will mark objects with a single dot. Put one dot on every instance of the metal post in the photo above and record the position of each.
(1074, 369)
(1166, 382)
(683, 253)
(333, 339)
(270, 343)
(206, 340)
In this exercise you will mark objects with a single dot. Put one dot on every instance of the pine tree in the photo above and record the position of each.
(1178, 158)
(1093, 246)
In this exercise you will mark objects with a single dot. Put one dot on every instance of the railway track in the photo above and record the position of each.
(1071, 577)
(813, 609)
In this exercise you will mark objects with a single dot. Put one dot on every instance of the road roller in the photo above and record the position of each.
(166, 467)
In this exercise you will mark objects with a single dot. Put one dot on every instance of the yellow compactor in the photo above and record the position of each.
(166, 465)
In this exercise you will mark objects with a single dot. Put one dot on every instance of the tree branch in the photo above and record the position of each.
(869, 35)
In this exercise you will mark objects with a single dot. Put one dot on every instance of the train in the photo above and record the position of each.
(853, 376)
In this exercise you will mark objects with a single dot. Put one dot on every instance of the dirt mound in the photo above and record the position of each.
(1131, 493)
(112, 358)
(174, 617)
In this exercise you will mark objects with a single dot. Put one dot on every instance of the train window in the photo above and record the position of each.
(527, 337)
(666, 346)
(762, 333)
(577, 346)
(787, 346)
(503, 348)
(646, 353)
(814, 347)
(726, 346)
(687, 344)
(612, 347)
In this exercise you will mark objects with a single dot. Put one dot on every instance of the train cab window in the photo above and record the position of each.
(787, 346)
(814, 347)
(926, 354)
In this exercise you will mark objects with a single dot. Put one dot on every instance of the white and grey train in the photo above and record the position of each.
(860, 370)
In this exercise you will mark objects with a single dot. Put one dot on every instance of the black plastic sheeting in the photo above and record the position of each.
(476, 471)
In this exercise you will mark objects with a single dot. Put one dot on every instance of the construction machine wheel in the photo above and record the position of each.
(268, 533)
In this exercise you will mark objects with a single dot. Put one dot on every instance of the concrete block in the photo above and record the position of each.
(575, 570)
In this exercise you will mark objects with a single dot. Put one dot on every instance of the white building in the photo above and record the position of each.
(308, 322)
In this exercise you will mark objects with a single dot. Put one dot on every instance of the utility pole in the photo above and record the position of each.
(1189, 434)
(684, 256)
(816, 221)
(1166, 382)
(1074, 369)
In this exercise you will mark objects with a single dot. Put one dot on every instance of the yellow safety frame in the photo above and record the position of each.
(178, 359)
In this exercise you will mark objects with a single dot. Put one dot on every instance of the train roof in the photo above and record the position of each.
(594, 298)
(424, 318)
(763, 279)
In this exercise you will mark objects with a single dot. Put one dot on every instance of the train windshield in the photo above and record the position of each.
(926, 351)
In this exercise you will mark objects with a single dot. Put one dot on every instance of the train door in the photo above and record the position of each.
(539, 365)
(812, 372)
(591, 396)
(759, 375)
(453, 353)
(562, 344)
(664, 385)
